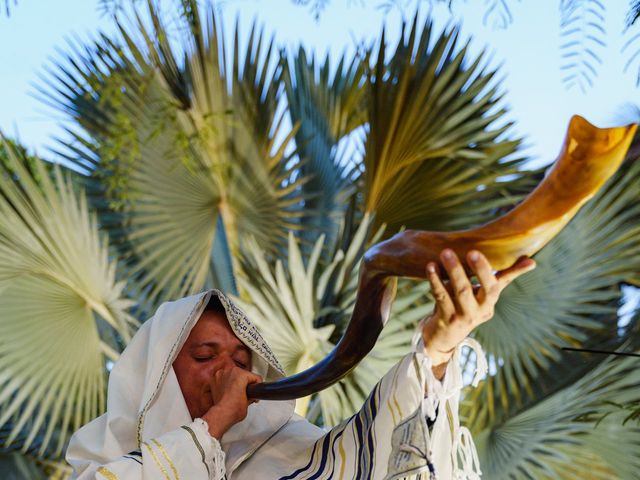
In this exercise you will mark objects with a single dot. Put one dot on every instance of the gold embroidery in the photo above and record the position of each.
(166, 457)
(247, 332)
(393, 415)
(157, 460)
(450, 418)
(108, 474)
(195, 440)
(343, 459)
(394, 384)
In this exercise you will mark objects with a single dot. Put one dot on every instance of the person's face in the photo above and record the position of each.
(211, 346)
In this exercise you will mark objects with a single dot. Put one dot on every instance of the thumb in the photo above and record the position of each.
(522, 265)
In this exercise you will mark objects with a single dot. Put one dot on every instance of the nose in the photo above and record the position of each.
(225, 361)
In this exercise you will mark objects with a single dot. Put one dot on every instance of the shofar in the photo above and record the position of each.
(589, 157)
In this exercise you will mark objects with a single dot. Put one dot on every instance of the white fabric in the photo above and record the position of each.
(147, 432)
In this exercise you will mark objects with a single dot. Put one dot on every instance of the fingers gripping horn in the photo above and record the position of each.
(588, 158)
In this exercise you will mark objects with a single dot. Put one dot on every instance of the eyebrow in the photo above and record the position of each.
(240, 346)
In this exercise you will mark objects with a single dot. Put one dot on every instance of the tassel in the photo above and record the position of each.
(466, 465)
(482, 367)
(467, 456)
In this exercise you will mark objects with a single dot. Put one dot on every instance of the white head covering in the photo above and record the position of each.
(144, 399)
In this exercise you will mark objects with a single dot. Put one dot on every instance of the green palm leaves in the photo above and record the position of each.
(433, 154)
(328, 108)
(206, 160)
(549, 440)
(309, 326)
(571, 299)
(60, 307)
(17, 467)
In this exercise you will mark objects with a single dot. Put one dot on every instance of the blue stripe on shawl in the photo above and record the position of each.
(133, 458)
(358, 440)
(365, 449)
(333, 451)
(325, 455)
(332, 437)
(374, 411)
(323, 458)
(303, 469)
(361, 423)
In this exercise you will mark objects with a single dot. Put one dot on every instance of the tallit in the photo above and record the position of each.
(147, 432)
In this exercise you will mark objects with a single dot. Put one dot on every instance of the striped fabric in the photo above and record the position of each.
(388, 438)
(328, 453)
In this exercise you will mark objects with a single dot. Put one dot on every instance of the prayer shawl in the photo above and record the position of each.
(147, 432)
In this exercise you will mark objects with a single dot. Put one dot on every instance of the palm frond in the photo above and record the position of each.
(498, 14)
(327, 107)
(631, 46)
(316, 7)
(113, 8)
(56, 470)
(287, 305)
(556, 438)
(16, 466)
(61, 308)
(433, 157)
(7, 6)
(20, 466)
(186, 142)
(634, 12)
(571, 296)
(582, 27)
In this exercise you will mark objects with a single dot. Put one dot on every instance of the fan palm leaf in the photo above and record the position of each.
(535, 417)
(555, 438)
(572, 294)
(436, 146)
(194, 151)
(16, 466)
(61, 307)
(286, 304)
(327, 107)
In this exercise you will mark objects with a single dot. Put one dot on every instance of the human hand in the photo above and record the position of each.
(461, 307)
(230, 402)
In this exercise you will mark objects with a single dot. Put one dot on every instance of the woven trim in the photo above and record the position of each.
(247, 332)
(199, 447)
(108, 474)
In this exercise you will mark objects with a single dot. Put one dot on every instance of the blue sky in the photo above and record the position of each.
(528, 52)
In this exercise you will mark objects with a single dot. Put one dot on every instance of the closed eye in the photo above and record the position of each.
(203, 359)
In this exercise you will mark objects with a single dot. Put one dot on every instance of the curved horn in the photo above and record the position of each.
(589, 156)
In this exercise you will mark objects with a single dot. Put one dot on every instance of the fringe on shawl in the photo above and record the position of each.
(466, 465)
